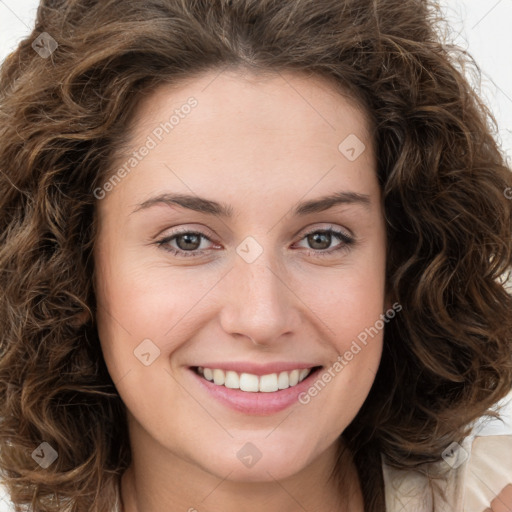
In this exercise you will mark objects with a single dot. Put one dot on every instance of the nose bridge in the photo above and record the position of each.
(260, 283)
(259, 305)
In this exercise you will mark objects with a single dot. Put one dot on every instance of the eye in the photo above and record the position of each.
(188, 242)
(321, 239)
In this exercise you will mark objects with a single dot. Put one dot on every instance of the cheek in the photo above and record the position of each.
(142, 298)
(348, 301)
(163, 304)
(138, 302)
(352, 306)
(358, 312)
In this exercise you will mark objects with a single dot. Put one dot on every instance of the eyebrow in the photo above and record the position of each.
(207, 206)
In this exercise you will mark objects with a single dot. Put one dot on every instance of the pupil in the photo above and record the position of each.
(187, 237)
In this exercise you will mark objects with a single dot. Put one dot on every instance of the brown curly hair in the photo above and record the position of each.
(446, 358)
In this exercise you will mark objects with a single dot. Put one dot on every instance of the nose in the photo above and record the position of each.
(259, 303)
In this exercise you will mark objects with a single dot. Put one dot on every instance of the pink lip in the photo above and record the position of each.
(258, 369)
(260, 403)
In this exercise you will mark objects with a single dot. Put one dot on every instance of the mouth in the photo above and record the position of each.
(251, 389)
(252, 383)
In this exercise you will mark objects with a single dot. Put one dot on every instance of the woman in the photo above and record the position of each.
(253, 256)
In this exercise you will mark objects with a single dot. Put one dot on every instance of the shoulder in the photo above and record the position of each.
(475, 471)
(489, 465)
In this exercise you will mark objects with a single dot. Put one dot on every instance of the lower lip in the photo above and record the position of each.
(259, 403)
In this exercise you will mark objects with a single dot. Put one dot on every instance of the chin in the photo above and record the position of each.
(247, 463)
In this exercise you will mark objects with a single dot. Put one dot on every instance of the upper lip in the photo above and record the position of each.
(258, 369)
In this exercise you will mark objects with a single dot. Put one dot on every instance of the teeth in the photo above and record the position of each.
(232, 380)
(303, 374)
(268, 383)
(254, 383)
(218, 377)
(249, 382)
(283, 381)
(294, 377)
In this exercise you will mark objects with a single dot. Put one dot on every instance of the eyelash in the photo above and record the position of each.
(347, 242)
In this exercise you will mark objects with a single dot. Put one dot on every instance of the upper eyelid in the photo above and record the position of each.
(304, 231)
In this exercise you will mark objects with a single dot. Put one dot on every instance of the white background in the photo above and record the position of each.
(482, 27)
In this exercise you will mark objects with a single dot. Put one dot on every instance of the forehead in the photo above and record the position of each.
(290, 103)
(250, 134)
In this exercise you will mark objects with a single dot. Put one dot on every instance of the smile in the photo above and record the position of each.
(251, 383)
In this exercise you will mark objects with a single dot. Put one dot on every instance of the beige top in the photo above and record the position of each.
(476, 472)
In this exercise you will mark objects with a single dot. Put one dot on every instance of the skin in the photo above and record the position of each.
(502, 502)
(261, 145)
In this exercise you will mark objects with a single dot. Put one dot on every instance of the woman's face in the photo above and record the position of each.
(258, 286)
